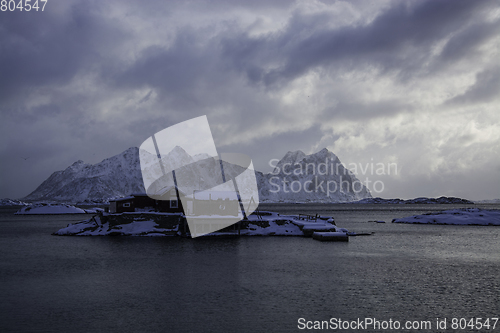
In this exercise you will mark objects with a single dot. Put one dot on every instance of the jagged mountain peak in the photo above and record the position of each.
(121, 175)
(200, 157)
(129, 152)
(290, 158)
(128, 156)
(176, 158)
(115, 176)
(77, 165)
(298, 156)
(301, 178)
(178, 150)
(325, 153)
(178, 153)
(294, 155)
(132, 151)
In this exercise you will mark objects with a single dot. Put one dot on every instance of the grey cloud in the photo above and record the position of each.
(67, 92)
(468, 39)
(276, 146)
(173, 70)
(398, 39)
(45, 48)
(485, 89)
(350, 108)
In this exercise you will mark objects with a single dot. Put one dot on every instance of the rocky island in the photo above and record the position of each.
(465, 216)
(174, 224)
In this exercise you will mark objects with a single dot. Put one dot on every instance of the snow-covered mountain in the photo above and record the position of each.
(319, 177)
(297, 177)
(116, 176)
(10, 202)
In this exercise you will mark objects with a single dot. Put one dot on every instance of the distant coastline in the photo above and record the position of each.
(420, 200)
(6, 202)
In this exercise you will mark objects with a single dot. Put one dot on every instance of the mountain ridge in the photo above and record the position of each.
(120, 175)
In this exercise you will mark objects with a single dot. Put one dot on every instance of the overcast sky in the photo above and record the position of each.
(415, 83)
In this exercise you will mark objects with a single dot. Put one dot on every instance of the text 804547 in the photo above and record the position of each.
(22, 5)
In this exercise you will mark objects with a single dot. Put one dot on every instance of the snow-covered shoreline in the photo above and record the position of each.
(420, 200)
(55, 209)
(172, 224)
(464, 216)
(6, 202)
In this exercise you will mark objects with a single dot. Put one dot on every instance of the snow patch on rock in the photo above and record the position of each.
(52, 209)
(10, 202)
(421, 200)
(148, 224)
(465, 216)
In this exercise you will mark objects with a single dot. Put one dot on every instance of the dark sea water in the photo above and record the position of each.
(248, 284)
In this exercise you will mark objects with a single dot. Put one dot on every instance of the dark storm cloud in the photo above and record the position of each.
(92, 78)
(401, 39)
(176, 69)
(198, 70)
(39, 49)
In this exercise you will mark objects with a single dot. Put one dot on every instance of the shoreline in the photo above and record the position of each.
(263, 223)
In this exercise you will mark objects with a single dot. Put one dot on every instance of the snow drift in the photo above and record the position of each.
(465, 216)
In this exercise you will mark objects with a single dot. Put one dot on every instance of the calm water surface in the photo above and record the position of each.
(248, 284)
